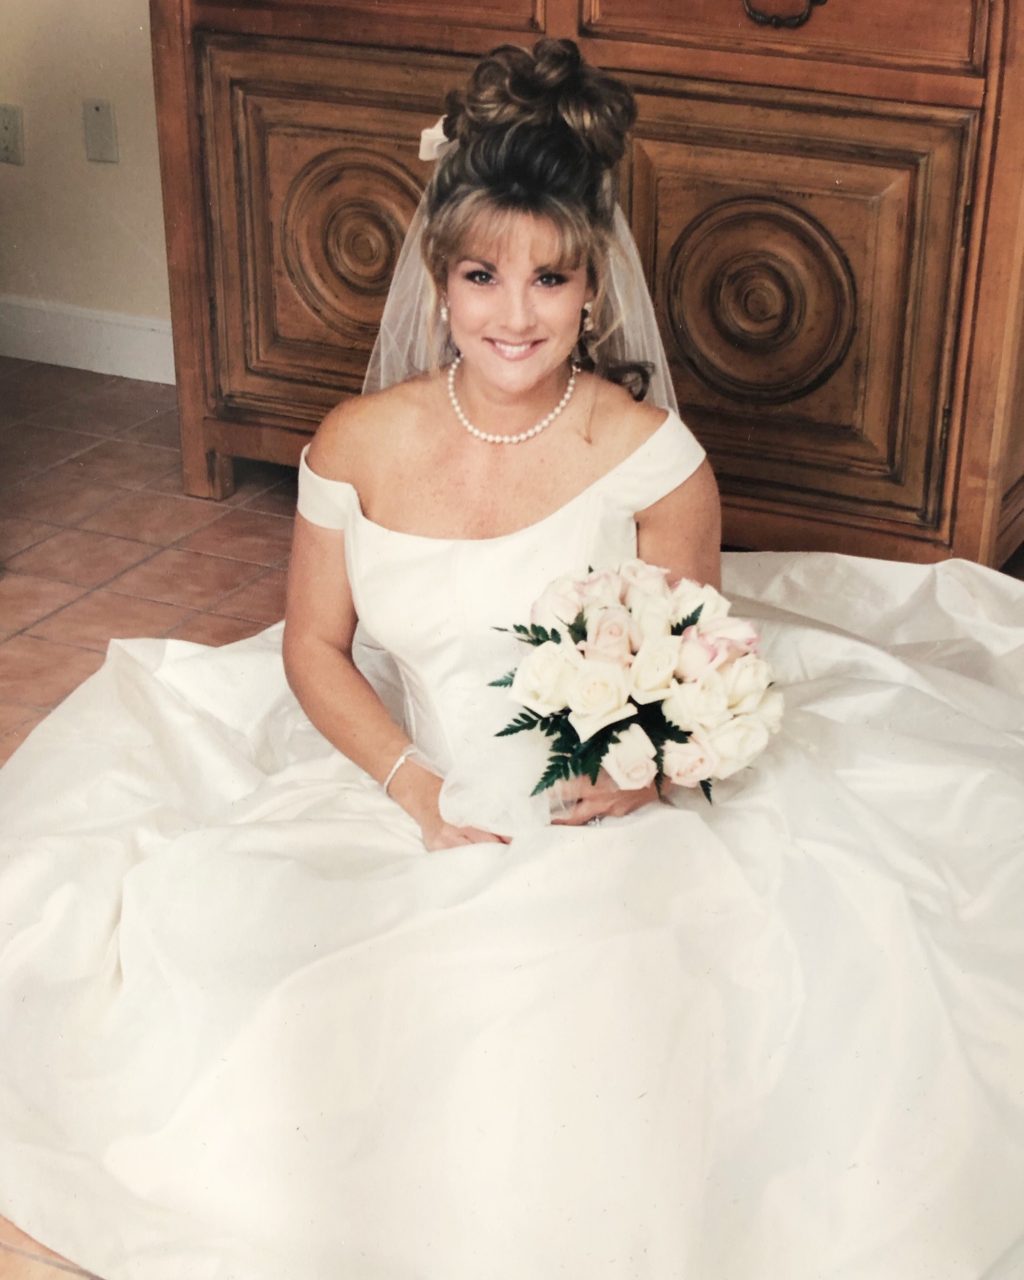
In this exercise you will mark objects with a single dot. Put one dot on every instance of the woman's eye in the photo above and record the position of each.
(479, 276)
(550, 279)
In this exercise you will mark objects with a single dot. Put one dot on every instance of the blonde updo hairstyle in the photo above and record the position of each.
(537, 133)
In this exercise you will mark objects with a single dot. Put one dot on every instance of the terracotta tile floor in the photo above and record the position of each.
(97, 541)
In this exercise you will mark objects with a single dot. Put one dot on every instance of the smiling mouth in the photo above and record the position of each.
(514, 350)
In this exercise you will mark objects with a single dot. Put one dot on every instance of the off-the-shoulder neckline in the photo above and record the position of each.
(655, 436)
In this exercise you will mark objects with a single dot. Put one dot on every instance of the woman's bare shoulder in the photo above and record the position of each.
(363, 431)
(620, 423)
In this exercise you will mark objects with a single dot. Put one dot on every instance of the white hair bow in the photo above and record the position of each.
(433, 143)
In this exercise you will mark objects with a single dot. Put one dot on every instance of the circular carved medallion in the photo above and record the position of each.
(761, 300)
(342, 227)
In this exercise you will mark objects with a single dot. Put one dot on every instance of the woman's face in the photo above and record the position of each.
(514, 313)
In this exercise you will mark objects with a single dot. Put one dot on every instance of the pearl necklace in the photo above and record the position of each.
(523, 435)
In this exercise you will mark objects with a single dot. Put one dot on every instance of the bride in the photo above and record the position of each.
(302, 984)
(519, 220)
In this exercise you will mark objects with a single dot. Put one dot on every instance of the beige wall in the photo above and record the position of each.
(73, 231)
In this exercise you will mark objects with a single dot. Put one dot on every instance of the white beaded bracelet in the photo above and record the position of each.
(402, 757)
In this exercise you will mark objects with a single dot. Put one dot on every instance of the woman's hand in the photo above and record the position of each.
(578, 800)
(418, 790)
(443, 835)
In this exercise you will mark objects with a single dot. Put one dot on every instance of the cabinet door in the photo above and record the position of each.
(807, 258)
(313, 176)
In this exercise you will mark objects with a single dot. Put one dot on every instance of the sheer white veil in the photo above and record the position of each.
(411, 338)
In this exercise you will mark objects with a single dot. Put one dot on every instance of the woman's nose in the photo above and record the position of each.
(519, 313)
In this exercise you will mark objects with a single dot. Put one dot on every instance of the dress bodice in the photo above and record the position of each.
(432, 606)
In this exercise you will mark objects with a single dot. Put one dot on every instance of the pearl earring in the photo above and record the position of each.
(588, 319)
(444, 312)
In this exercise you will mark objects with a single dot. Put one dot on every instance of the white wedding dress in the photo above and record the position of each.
(252, 1031)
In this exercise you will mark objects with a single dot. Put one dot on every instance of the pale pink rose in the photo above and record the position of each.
(610, 632)
(557, 605)
(543, 677)
(598, 695)
(737, 743)
(653, 670)
(697, 704)
(600, 588)
(746, 680)
(688, 764)
(697, 654)
(737, 633)
(640, 578)
(630, 761)
(687, 595)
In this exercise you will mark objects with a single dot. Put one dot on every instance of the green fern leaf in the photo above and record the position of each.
(525, 720)
(578, 628)
(558, 770)
(689, 621)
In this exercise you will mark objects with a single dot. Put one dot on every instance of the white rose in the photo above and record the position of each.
(769, 710)
(688, 764)
(746, 681)
(651, 674)
(697, 704)
(736, 633)
(597, 696)
(640, 578)
(600, 588)
(737, 743)
(687, 595)
(630, 761)
(652, 615)
(558, 605)
(543, 678)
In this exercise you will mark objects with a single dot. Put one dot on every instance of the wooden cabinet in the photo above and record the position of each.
(827, 197)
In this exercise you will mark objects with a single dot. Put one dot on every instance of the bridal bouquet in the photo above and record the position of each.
(646, 681)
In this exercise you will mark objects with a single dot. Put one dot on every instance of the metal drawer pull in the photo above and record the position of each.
(773, 20)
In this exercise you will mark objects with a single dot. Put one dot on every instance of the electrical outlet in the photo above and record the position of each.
(100, 131)
(12, 137)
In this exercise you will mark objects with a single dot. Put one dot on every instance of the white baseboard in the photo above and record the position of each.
(103, 341)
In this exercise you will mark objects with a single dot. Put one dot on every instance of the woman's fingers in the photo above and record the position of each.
(448, 837)
(583, 812)
(602, 800)
(473, 835)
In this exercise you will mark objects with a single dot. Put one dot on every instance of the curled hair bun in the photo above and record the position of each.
(550, 88)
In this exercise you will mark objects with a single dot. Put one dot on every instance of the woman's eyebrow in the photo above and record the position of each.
(545, 268)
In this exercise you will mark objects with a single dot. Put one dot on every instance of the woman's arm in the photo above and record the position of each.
(320, 623)
(682, 532)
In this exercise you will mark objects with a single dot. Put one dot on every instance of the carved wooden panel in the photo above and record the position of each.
(807, 275)
(947, 35)
(313, 174)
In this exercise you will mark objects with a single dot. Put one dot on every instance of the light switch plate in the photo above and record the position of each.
(12, 136)
(100, 131)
